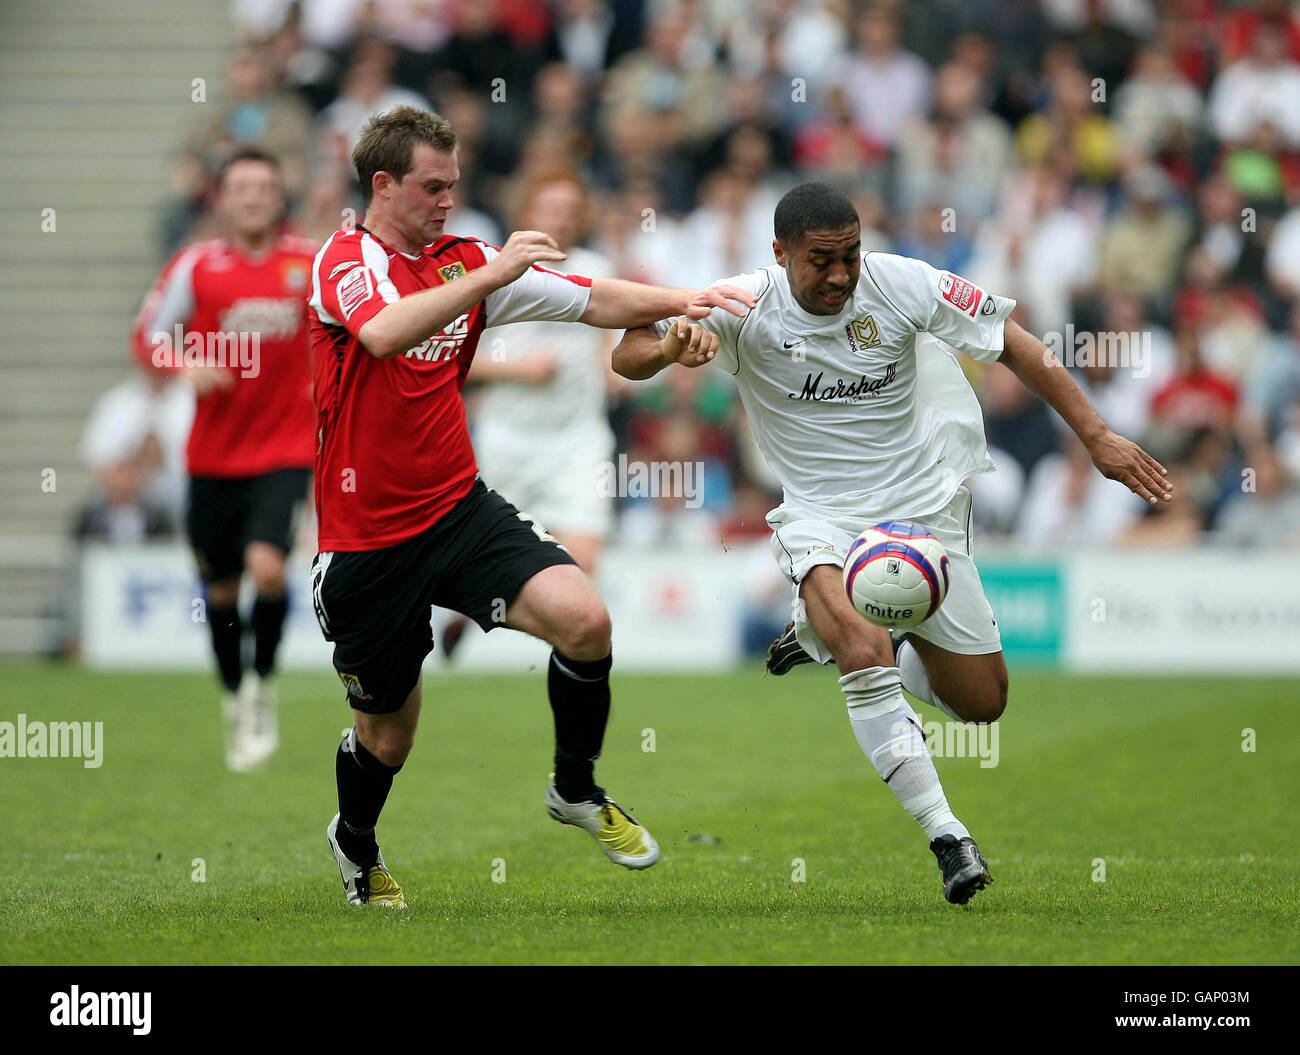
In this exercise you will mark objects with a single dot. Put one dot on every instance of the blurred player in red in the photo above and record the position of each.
(231, 314)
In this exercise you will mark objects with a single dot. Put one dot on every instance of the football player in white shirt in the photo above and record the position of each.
(865, 416)
(541, 429)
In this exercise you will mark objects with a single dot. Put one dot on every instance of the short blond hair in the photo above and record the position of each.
(388, 142)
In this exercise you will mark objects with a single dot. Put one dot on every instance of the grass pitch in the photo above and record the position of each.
(1146, 775)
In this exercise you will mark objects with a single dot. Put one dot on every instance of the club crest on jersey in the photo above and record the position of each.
(451, 272)
(862, 334)
(294, 273)
(965, 296)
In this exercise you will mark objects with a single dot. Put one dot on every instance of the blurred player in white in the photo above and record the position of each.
(865, 416)
(541, 430)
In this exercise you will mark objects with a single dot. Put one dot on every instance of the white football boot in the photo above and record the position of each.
(232, 716)
(264, 720)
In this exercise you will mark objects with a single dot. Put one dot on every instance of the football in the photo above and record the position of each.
(896, 574)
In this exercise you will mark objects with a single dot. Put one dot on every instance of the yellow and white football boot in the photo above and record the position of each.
(364, 886)
(624, 840)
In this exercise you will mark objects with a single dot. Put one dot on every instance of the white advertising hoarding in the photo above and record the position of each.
(142, 607)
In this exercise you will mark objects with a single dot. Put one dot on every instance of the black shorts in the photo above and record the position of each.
(227, 513)
(375, 604)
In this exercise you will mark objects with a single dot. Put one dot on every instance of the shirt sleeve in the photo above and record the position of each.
(350, 282)
(728, 327)
(952, 308)
(538, 295)
(168, 304)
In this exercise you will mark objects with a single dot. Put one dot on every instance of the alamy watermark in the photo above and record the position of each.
(951, 739)
(24, 739)
(234, 349)
(637, 479)
(1123, 350)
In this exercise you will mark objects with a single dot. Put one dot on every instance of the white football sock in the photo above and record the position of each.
(917, 681)
(890, 735)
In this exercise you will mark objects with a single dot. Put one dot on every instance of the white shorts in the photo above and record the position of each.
(553, 480)
(964, 622)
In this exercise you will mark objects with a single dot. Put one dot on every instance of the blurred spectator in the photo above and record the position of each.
(120, 513)
(144, 423)
(1141, 247)
(1072, 129)
(1262, 86)
(253, 112)
(1016, 421)
(1157, 106)
(636, 231)
(582, 37)
(368, 89)
(1037, 249)
(1104, 32)
(1195, 398)
(959, 156)
(932, 233)
(997, 495)
(1133, 361)
(1273, 385)
(1069, 503)
(675, 76)
(887, 87)
(1283, 260)
(1177, 522)
(1270, 515)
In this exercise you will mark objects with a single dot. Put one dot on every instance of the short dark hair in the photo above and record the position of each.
(387, 144)
(247, 154)
(812, 207)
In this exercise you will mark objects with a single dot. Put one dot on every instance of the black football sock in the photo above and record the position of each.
(227, 643)
(364, 783)
(579, 693)
(268, 626)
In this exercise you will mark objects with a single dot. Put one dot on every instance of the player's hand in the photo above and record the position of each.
(209, 379)
(688, 343)
(536, 369)
(729, 298)
(1120, 459)
(522, 250)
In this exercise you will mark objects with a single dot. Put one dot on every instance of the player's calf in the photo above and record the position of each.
(967, 688)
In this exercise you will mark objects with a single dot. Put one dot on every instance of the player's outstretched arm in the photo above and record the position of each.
(410, 320)
(1116, 457)
(640, 354)
(616, 303)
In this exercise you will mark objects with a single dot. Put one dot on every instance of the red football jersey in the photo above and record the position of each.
(212, 305)
(394, 453)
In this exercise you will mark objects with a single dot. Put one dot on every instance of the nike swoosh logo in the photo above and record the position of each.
(787, 345)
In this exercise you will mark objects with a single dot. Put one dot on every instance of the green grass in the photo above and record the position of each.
(1146, 773)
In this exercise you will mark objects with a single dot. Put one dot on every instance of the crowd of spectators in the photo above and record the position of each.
(1127, 170)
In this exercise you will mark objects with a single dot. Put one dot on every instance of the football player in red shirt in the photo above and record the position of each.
(231, 315)
(405, 523)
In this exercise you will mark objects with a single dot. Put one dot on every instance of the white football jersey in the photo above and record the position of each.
(865, 413)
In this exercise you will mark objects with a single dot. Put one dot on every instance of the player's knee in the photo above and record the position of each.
(390, 744)
(586, 635)
(223, 594)
(988, 702)
(861, 654)
(266, 566)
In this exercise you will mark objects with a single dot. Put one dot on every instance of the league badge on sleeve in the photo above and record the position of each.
(965, 296)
